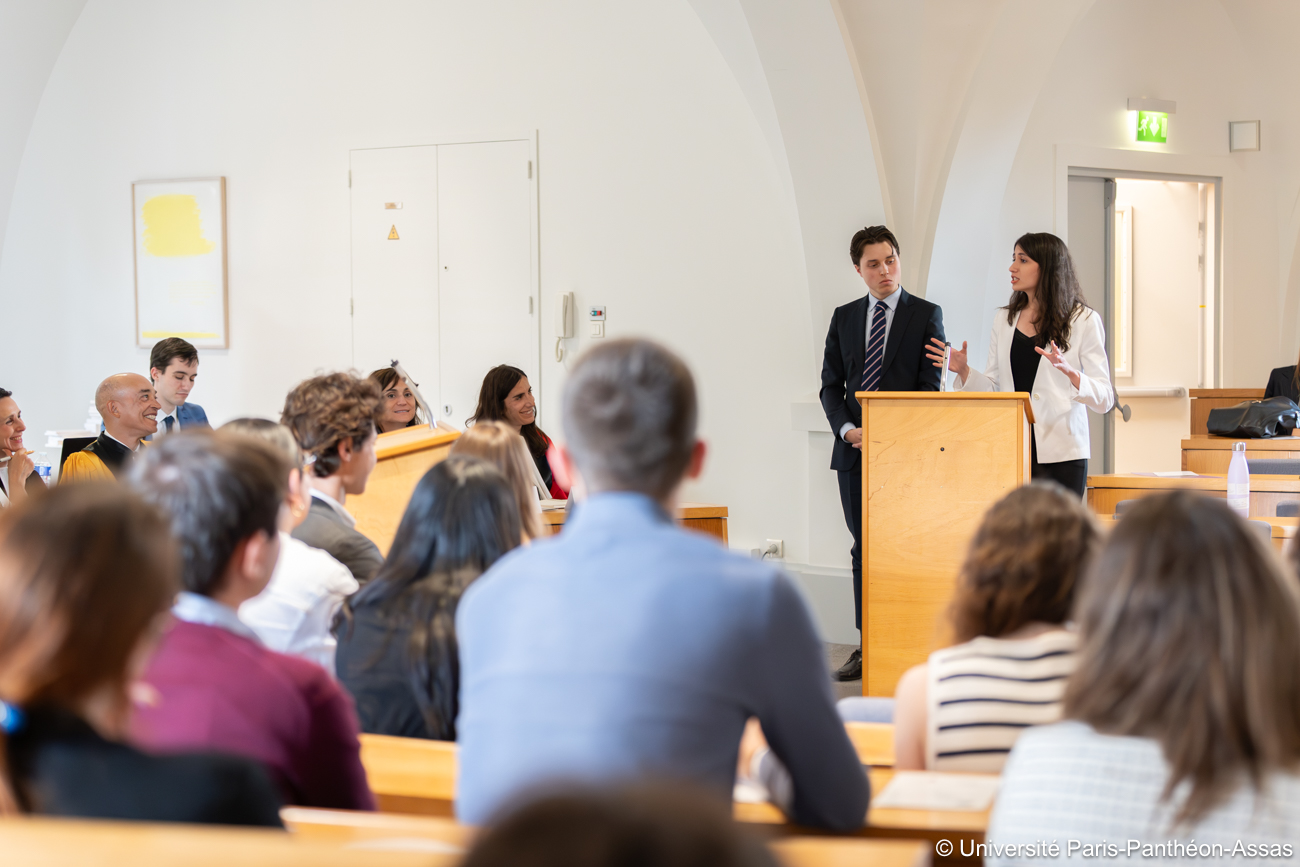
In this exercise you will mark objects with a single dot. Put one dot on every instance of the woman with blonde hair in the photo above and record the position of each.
(1182, 718)
(496, 443)
(87, 575)
(964, 709)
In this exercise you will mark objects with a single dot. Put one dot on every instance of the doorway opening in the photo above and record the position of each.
(1146, 247)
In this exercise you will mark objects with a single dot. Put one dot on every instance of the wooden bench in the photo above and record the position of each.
(347, 827)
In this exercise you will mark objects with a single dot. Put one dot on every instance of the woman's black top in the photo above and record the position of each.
(1024, 360)
(373, 663)
(1281, 383)
(61, 766)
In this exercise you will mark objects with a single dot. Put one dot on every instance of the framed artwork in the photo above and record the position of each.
(180, 262)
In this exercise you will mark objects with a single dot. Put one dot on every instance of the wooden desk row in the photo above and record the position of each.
(410, 775)
(406, 455)
(1266, 492)
(418, 777)
(333, 838)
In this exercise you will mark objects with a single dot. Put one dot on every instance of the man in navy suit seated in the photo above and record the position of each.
(173, 367)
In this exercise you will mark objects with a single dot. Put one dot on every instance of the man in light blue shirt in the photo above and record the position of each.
(627, 647)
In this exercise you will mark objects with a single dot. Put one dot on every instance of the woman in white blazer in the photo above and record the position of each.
(1052, 345)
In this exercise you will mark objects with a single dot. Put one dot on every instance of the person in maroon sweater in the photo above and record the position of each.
(211, 684)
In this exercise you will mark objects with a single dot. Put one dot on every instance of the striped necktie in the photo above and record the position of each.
(875, 349)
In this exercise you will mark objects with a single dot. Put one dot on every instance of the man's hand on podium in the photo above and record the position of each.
(854, 437)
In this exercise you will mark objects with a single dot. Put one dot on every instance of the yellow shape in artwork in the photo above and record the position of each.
(392, 234)
(172, 227)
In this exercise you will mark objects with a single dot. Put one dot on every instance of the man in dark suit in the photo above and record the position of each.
(876, 343)
(173, 367)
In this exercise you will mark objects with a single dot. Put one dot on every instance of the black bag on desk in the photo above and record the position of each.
(1255, 419)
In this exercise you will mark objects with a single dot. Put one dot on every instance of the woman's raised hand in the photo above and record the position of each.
(20, 467)
(956, 357)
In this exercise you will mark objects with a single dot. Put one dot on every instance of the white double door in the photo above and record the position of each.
(444, 275)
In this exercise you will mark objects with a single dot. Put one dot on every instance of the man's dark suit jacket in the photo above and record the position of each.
(906, 368)
(325, 529)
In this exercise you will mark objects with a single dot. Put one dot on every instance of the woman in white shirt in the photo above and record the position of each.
(1183, 713)
(17, 472)
(964, 709)
(1051, 345)
(295, 612)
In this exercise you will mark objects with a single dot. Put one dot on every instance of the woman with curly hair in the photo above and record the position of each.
(964, 709)
(1051, 345)
(333, 419)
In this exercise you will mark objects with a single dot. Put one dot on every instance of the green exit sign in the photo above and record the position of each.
(1153, 126)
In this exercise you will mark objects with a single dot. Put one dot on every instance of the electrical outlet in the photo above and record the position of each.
(775, 549)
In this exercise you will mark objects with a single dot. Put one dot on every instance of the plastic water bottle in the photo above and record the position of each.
(1239, 481)
(43, 467)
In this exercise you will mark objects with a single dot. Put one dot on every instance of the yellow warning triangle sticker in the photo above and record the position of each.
(392, 234)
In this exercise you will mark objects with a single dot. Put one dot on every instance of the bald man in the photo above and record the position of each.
(129, 407)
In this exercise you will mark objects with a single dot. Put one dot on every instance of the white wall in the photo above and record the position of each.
(659, 198)
(31, 37)
(1215, 74)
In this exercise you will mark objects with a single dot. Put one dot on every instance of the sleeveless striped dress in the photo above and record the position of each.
(984, 693)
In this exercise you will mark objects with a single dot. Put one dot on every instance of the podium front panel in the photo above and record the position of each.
(404, 456)
(931, 469)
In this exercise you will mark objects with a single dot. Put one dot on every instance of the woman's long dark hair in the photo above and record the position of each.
(461, 519)
(1060, 298)
(497, 385)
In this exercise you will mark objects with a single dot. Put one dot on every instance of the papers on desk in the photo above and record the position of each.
(553, 505)
(1177, 474)
(931, 790)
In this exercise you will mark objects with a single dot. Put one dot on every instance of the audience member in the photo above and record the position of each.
(964, 709)
(129, 408)
(646, 825)
(628, 646)
(397, 408)
(215, 685)
(507, 397)
(397, 650)
(86, 575)
(18, 478)
(173, 367)
(1183, 713)
(496, 443)
(295, 613)
(333, 419)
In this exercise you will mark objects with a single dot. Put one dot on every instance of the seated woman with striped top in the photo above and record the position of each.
(964, 709)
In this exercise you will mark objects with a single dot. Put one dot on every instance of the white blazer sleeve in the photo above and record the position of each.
(988, 380)
(1094, 391)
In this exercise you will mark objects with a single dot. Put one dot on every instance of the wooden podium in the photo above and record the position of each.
(933, 462)
(404, 457)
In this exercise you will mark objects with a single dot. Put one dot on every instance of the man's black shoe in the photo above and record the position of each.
(851, 669)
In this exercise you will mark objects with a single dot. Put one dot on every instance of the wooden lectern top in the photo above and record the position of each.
(1022, 396)
(411, 439)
